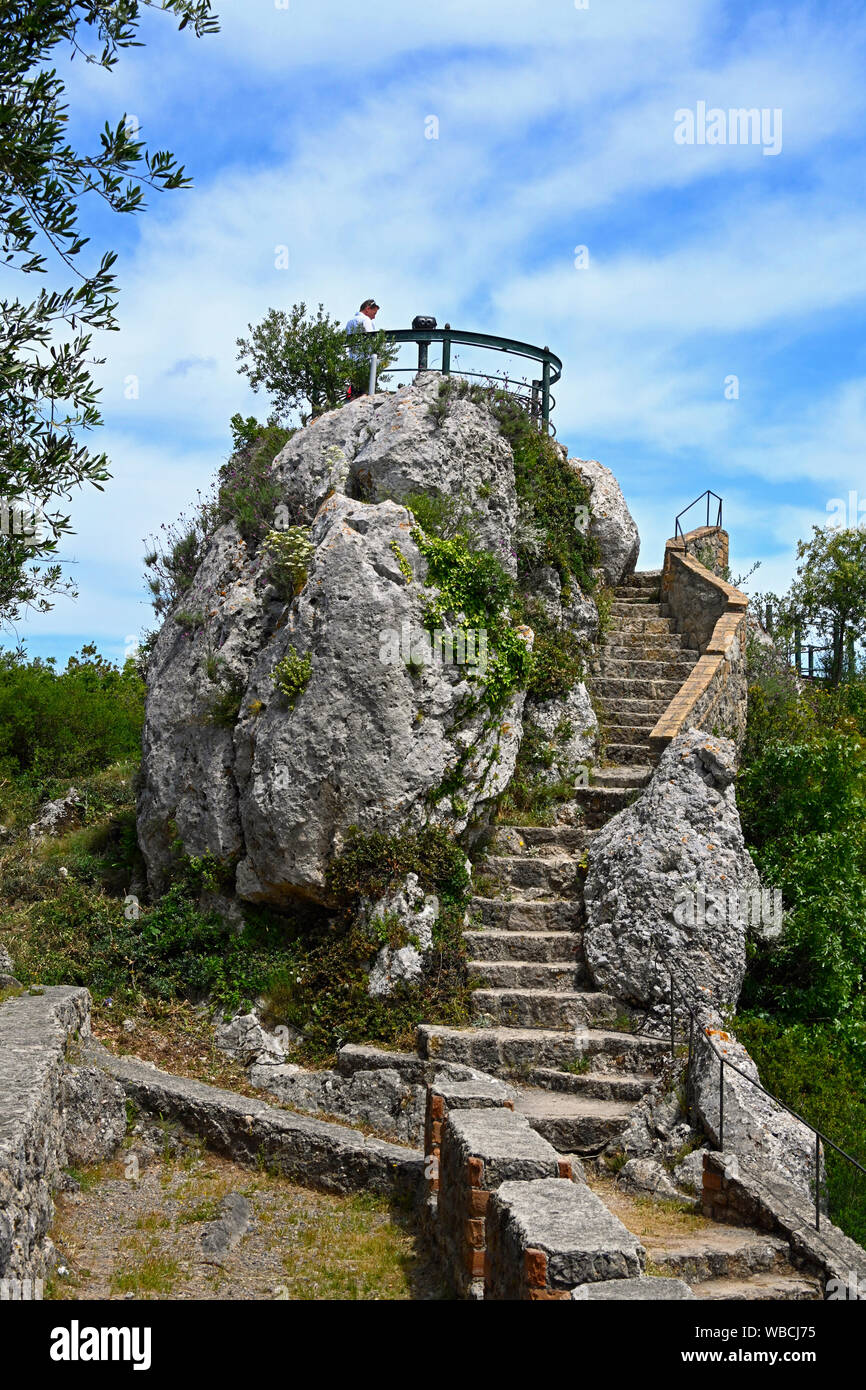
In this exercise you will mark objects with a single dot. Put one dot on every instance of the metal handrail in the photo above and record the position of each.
(678, 530)
(820, 1137)
(551, 365)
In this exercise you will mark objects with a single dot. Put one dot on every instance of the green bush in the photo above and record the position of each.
(551, 493)
(66, 724)
(323, 989)
(472, 583)
(291, 675)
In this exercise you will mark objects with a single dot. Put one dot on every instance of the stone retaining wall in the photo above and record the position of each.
(735, 1194)
(711, 615)
(50, 1116)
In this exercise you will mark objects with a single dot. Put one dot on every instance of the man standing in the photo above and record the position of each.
(362, 322)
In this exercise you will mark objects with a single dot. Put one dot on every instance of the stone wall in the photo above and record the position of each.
(711, 615)
(735, 1194)
(480, 1149)
(51, 1115)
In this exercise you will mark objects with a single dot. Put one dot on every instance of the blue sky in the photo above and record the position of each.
(304, 126)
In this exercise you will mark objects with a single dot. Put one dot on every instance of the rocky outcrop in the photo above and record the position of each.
(374, 727)
(392, 445)
(763, 1136)
(569, 732)
(412, 913)
(610, 523)
(671, 885)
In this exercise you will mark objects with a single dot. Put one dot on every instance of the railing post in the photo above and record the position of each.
(798, 645)
(423, 345)
(689, 1062)
(721, 1103)
(672, 1016)
(446, 352)
(811, 663)
(374, 365)
(545, 394)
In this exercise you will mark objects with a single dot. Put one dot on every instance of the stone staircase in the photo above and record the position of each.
(634, 675)
(539, 1020)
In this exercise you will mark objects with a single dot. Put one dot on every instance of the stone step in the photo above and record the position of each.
(600, 803)
(637, 598)
(560, 839)
(633, 754)
(761, 1288)
(521, 914)
(649, 589)
(536, 947)
(678, 670)
(644, 577)
(578, 1124)
(628, 709)
(621, 775)
(533, 874)
(538, 1008)
(630, 733)
(560, 976)
(601, 1085)
(506, 1051)
(636, 622)
(634, 688)
(624, 608)
(644, 648)
(721, 1252)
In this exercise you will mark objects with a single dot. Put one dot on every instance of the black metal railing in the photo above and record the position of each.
(697, 1027)
(678, 530)
(536, 394)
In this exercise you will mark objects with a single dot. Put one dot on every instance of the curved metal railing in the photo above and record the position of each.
(537, 395)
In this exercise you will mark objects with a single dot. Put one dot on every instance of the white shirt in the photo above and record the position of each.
(360, 320)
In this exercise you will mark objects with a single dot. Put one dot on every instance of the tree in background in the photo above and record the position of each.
(300, 359)
(829, 593)
(48, 399)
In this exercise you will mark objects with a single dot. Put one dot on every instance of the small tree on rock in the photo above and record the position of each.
(305, 359)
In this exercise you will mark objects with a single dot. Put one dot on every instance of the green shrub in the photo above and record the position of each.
(286, 556)
(472, 583)
(291, 675)
(551, 493)
(56, 725)
(324, 989)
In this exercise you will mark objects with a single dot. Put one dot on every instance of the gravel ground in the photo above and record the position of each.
(164, 1233)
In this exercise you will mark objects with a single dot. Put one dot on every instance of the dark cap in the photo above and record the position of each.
(369, 304)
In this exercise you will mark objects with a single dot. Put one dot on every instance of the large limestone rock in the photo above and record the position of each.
(670, 881)
(763, 1136)
(389, 445)
(568, 729)
(611, 522)
(379, 726)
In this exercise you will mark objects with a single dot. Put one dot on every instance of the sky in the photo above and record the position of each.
(553, 172)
